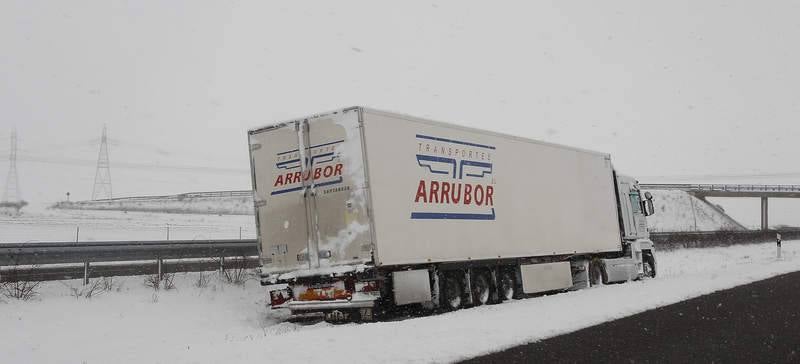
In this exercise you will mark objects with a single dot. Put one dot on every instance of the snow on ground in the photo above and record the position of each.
(675, 211)
(227, 323)
(680, 211)
(219, 202)
(38, 223)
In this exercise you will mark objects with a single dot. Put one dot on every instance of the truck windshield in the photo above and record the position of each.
(636, 203)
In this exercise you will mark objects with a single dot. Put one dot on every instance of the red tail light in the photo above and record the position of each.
(279, 297)
(368, 287)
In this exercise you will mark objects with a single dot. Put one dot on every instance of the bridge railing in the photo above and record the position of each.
(711, 187)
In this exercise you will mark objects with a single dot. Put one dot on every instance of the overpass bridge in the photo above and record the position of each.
(764, 192)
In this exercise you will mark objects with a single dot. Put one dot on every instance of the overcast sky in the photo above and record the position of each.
(675, 91)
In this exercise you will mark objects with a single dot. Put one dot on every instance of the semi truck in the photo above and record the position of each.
(360, 212)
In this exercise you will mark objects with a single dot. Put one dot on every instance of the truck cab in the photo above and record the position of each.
(634, 207)
(638, 251)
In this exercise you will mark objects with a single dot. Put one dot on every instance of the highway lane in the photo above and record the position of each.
(755, 323)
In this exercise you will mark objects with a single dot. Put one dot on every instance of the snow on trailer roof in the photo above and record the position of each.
(314, 116)
(427, 121)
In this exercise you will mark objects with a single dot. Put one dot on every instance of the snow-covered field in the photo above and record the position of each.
(210, 203)
(38, 223)
(227, 323)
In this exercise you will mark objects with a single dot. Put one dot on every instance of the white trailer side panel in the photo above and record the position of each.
(505, 196)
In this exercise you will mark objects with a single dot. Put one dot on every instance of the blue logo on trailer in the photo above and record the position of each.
(324, 168)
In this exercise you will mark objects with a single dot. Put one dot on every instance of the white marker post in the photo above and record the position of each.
(779, 245)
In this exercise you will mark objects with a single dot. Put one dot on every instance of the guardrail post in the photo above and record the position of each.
(160, 269)
(221, 265)
(85, 272)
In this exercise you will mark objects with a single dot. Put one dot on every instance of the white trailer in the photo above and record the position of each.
(360, 211)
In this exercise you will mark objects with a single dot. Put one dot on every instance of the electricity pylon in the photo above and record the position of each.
(102, 178)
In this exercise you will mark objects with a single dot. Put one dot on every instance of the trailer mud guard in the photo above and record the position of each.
(411, 286)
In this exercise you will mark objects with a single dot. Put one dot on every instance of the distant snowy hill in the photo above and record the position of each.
(675, 210)
(212, 203)
(680, 211)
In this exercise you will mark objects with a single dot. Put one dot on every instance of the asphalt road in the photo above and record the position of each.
(754, 323)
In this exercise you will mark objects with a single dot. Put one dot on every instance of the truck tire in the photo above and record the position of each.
(481, 288)
(649, 266)
(506, 286)
(453, 294)
(597, 273)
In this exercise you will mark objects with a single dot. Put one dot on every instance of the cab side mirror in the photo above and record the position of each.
(648, 207)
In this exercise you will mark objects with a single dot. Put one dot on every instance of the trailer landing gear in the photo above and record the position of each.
(649, 266)
(481, 289)
(597, 273)
(506, 285)
(452, 292)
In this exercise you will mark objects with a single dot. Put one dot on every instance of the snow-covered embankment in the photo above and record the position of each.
(226, 323)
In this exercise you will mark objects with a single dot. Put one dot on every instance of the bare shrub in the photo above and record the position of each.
(94, 288)
(167, 283)
(108, 283)
(20, 283)
(153, 282)
(21, 290)
(203, 280)
(238, 273)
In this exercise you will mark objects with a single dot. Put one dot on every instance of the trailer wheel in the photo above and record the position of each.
(506, 285)
(597, 273)
(481, 289)
(649, 266)
(452, 293)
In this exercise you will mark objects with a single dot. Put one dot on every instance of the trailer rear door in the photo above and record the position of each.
(310, 192)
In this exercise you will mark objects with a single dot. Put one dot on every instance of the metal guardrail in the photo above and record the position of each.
(117, 251)
(45, 261)
(139, 254)
(706, 239)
